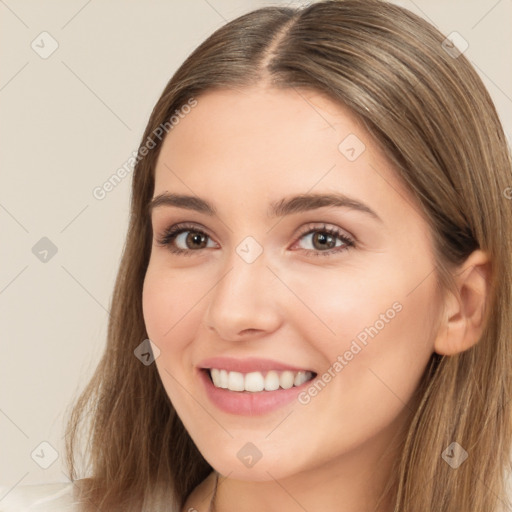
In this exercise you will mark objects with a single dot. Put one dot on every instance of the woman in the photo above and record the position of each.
(374, 378)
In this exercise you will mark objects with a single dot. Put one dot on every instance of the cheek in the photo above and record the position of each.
(391, 354)
(380, 334)
(168, 309)
(157, 306)
(170, 305)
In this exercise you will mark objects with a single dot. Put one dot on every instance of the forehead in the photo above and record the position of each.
(262, 143)
(262, 117)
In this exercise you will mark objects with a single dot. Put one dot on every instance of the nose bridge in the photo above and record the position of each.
(243, 297)
(245, 272)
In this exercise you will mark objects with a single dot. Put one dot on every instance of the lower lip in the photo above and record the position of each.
(248, 403)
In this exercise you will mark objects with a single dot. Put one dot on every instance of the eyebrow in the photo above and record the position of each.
(286, 206)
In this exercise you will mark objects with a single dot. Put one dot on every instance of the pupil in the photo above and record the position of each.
(323, 238)
(197, 238)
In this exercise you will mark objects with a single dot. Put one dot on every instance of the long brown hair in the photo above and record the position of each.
(430, 112)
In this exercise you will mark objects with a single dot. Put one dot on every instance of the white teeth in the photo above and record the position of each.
(271, 381)
(256, 381)
(223, 379)
(300, 378)
(286, 380)
(236, 381)
(215, 377)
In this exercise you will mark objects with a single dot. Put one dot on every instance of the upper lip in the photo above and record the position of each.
(250, 364)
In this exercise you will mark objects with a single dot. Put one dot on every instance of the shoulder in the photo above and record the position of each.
(54, 497)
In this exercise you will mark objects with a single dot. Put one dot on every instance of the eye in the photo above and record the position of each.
(184, 239)
(326, 240)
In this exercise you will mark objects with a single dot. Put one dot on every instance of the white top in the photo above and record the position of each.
(56, 497)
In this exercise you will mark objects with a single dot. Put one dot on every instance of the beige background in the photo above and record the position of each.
(68, 122)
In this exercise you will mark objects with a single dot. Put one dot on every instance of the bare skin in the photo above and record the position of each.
(242, 150)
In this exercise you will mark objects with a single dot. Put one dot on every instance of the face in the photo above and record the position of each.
(268, 282)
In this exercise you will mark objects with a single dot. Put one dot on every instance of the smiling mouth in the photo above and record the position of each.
(255, 382)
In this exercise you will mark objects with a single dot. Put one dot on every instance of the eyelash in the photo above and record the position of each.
(171, 233)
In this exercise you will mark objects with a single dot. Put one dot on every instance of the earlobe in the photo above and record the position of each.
(464, 315)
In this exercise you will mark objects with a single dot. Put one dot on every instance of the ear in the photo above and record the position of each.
(464, 315)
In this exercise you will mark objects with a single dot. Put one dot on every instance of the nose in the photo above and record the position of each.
(245, 300)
